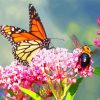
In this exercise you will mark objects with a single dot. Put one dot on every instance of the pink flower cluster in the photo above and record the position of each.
(53, 64)
(13, 76)
(16, 75)
(59, 63)
(96, 40)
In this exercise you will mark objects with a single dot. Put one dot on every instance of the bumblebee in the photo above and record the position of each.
(85, 57)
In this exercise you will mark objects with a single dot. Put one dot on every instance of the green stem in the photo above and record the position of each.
(52, 89)
(61, 90)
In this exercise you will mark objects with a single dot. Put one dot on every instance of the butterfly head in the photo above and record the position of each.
(46, 43)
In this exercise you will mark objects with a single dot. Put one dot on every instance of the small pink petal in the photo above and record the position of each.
(74, 80)
(90, 74)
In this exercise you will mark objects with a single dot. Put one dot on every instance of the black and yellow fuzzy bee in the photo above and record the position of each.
(85, 57)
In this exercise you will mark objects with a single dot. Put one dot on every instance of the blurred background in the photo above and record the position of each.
(61, 18)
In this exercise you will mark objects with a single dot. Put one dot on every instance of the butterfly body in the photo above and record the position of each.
(45, 43)
(26, 44)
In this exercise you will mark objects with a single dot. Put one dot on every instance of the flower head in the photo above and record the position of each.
(58, 64)
(13, 76)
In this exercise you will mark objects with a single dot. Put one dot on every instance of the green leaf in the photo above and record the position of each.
(72, 90)
(31, 93)
(98, 99)
(97, 71)
(11, 93)
(69, 97)
(52, 89)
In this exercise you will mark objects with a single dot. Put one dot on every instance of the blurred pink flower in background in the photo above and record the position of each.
(98, 20)
(96, 40)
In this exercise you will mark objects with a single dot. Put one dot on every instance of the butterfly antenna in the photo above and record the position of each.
(52, 45)
(58, 39)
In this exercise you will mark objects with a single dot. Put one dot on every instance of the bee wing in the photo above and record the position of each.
(75, 41)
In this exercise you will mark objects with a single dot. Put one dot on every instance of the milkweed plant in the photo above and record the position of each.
(53, 74)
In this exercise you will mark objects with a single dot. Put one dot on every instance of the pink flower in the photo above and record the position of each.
(98, 31)
(96, 40)
(98, 20)
(13, 76)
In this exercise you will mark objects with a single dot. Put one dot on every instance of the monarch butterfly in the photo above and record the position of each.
(26, 44)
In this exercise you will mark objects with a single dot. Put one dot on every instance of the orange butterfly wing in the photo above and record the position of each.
(24, 45)
(15, 34)
(36, 27)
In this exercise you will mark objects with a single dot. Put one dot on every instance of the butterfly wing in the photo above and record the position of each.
(36, 27)
(15, 34)
(24, 47)
(26, 50)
